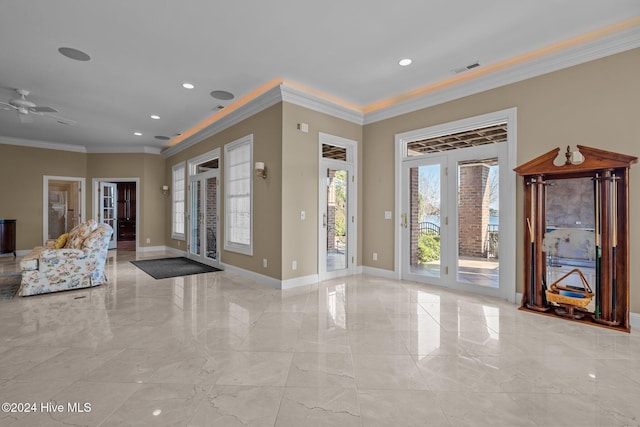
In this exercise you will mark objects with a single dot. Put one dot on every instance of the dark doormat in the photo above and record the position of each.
(164, 268)
(9, 285)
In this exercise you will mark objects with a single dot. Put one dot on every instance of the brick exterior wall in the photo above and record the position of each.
(211, 221)
(473, 209)
(414, 215)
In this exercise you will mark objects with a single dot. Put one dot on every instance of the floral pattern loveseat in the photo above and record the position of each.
(79, 264)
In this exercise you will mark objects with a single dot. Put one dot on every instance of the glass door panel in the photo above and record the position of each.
(336, 219)
(108, 210)
(195, 225)
(424, 220)
(211, 218)
(478, 222)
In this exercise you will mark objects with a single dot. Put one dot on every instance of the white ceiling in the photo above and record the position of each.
(143, 50)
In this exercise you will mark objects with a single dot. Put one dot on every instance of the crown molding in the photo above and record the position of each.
(597, 49)
(279, 93)
(104, 149)
(319, 104)
(42, 144)
(256, 105)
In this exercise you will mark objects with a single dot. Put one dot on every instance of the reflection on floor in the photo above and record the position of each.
(219, 349)
(474, 271)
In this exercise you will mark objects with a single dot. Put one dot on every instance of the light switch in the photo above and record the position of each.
(387, 214)
(303, 215)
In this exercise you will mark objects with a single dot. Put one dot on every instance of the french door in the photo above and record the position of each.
(337, 201)
(452, 216)
(109, 209)
(203, 217)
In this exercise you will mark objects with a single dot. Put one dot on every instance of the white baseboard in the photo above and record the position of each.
(299, 281)
(379, 272)
(518, 297)
(634, 320)
(153, 248)
(269, 281)
(18, 253)
(175, 251)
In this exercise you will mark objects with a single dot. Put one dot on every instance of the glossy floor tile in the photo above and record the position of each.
(218, 349)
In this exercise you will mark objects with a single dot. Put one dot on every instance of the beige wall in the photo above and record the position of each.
(593, 104)
(300, 164)
(150, 170)
(266, 127)
(21, 186)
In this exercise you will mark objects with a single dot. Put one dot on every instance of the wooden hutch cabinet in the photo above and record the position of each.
(8, 236)
(576, 228)
(126, 211)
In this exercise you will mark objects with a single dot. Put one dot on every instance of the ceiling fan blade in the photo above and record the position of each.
(43, 109)
(60, 119)
(25, 118)
(9, 105)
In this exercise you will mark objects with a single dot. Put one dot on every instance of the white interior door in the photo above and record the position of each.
(109, 209)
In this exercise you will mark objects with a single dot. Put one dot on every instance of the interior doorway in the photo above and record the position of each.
(115, 202)
(63, 205)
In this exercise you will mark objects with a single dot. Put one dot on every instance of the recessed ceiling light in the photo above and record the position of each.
(72, 53)
(137, 134)
(222, 95)
(188, 85)
(155, 117)
(405, 62)
(162, 137)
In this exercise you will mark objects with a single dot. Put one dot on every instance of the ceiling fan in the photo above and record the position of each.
(26, 108)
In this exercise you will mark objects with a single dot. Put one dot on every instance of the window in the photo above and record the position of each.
(178, 202)
(238, 183)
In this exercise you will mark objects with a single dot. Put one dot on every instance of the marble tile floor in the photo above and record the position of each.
(220, 350)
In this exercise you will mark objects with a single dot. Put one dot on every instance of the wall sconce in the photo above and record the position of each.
(165, 190)
(261, 170)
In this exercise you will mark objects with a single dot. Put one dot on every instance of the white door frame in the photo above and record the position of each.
(351, 165)
(203, 177)
(192, 168)
(113, 242)
(95, 185)
(507, 187)
(45, 200)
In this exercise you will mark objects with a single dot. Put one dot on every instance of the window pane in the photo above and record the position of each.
(178, 200)
(238, 176)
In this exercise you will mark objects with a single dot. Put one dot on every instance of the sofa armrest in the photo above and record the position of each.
(62, 254)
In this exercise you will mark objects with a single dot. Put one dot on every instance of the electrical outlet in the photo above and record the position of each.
(375, 256)
(148, 240)
(294, 265)
(264, 262)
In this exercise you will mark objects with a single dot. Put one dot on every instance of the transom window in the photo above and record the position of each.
(453, 141)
